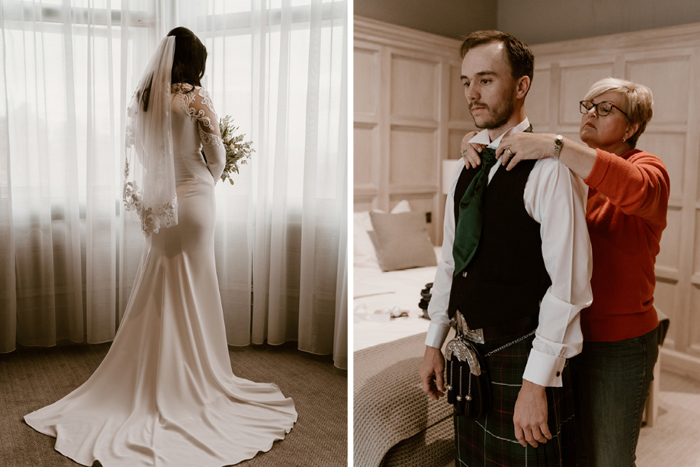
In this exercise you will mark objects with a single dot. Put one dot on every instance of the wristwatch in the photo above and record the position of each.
(558, 144)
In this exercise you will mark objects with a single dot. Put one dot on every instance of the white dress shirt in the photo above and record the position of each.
(555, 198)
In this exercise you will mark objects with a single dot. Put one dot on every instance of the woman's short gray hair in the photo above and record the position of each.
(640, 101)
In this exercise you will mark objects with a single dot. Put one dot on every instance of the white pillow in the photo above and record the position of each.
(364, 254)
(401, 206)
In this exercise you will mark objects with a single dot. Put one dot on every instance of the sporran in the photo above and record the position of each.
(468, 384)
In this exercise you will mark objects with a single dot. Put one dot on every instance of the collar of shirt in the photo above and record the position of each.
(483, 136)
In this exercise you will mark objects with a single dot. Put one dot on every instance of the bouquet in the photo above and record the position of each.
(237, 150)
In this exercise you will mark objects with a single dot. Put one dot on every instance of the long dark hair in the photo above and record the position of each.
(189, 62)
(190, 57)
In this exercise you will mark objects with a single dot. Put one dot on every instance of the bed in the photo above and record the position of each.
(395, 422)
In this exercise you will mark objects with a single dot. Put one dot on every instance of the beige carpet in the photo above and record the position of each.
(674, 441)
(33, 377)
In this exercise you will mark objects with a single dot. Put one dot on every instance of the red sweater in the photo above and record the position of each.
(626, 213)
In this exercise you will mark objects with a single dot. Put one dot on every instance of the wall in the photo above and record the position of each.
(409, 114)
(539, 21)
(533, 21)
(449, 18)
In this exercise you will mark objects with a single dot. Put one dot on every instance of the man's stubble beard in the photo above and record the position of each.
(496, 119)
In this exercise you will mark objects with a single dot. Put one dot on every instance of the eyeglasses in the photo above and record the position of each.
(603, 109)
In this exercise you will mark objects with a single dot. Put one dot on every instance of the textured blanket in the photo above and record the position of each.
(389, 404)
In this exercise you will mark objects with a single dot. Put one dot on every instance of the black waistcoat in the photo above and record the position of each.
(506, 279)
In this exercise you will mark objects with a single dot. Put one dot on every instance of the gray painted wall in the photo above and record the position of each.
(537, 21)
(533, 21)
(451, 18)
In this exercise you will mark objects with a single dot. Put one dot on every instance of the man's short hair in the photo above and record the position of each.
(520, 57)
(640, 101)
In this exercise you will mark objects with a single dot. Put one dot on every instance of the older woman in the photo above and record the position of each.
(626, 214)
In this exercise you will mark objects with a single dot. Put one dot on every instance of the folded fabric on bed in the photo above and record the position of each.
(401, 241)
(389, 403)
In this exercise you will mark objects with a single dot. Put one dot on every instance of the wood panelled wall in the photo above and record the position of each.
(410, 114)
(668, 61)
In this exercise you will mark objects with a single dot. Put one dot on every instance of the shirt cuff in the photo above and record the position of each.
(436, 335)
(544, 369)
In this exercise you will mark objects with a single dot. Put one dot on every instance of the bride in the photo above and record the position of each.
(165, 394)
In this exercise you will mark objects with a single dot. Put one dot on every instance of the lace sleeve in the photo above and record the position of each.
(201, 108)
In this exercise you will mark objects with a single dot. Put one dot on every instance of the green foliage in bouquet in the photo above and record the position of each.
(237, 150)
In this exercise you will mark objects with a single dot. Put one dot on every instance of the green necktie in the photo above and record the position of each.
(468, 230)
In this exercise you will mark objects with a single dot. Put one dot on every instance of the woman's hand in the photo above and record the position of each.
(522, 146)
(470, 152)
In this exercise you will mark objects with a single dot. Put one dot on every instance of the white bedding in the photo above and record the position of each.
(377, 294)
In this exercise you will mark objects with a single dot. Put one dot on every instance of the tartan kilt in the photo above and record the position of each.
(490, 440)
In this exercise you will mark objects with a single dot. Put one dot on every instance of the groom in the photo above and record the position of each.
(520, 265)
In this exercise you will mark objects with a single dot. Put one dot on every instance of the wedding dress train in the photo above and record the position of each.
(165, 394)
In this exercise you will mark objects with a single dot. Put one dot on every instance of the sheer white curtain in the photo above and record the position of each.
(67, 257)
(279, 67)
(65, 70)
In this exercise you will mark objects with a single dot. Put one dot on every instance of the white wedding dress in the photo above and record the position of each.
(165, 394)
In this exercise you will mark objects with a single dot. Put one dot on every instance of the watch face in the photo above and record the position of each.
(558, 144)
